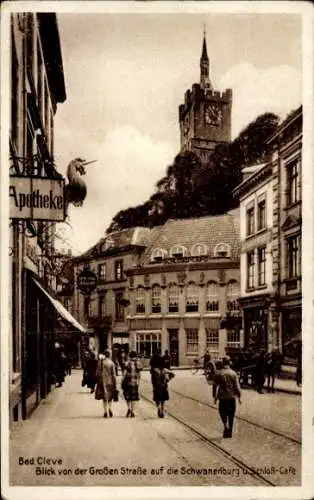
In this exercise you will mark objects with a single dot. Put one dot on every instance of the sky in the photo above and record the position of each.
(126, 75)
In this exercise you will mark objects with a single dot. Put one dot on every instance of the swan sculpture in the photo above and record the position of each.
(76, 188)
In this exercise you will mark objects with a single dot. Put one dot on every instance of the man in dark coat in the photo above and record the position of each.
(260, 368)
(90, 371)
(60, 365)
(229, 389)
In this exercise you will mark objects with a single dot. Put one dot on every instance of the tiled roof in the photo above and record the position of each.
(286, 122)
(209, 230)
(252, 177)
(137, 236)
(129, 236)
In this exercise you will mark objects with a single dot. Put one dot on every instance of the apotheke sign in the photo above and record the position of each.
(37, 198)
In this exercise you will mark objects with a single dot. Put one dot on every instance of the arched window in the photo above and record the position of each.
(199, 249)
(222, 250)
(212, 297)
(233, 292)
(140, 300)
(156, 299)
(173, 298)
(192, 297)
(178, 251)
(158, 254)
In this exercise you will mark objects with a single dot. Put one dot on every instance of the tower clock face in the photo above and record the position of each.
(213, 114)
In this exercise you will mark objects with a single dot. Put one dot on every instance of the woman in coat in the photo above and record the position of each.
(130, 382)
(107, 377)
(91, 369)
(160, 378)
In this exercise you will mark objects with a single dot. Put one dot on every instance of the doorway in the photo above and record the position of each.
(174, 346)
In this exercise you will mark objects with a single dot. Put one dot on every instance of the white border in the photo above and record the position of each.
(306, 11)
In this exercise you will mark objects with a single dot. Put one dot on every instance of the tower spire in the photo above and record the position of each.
(204, 50)
(204, 62)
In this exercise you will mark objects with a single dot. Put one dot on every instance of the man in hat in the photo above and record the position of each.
(229, 389)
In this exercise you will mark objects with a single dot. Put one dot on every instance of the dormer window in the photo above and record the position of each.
(109, 243)
(222, 250)
(199, 249)
(178, 251)
(158, 254)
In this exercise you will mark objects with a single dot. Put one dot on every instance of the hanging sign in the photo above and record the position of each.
(37, 198)
(87, 281)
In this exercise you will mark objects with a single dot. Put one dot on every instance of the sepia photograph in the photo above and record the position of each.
(155, 189)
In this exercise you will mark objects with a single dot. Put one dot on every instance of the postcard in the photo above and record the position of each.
(157, 250)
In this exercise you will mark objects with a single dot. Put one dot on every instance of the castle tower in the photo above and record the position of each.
(205, 116)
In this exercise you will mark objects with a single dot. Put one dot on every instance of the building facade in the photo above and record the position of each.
(205, 116)
(183, 294)
(37, 87)
(104, 311)
(287, 232)
(172, 287)
(271, 222)
(255, 194)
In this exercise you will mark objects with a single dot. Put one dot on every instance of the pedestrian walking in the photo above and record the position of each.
(69, 364)
(259, 371)
(167, 359)
(206, 360)
(218, 367)
(130, 382)
(121, 359)
(272, 368)
(60, 365)
(106, 388)
(115, 360)
(160, 376)
(154, 360)
(228, 385)
(90, 371)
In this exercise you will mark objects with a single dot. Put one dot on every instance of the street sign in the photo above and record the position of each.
(87, 281)
(37, 198)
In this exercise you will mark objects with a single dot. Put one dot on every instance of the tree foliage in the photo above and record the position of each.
(193, 189)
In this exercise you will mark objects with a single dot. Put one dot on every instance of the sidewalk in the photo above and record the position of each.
(67, 442)
(286, 385)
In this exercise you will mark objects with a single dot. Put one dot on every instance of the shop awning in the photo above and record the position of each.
(297, 338)
(61, 310)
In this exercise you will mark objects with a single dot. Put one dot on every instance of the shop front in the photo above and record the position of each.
(46, 322)
(291, 321)
(120, 342)
(256, 318)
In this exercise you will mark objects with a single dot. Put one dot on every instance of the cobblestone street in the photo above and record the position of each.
(68, 442)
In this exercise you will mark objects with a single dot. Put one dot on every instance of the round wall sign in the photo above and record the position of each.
(87, 281)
